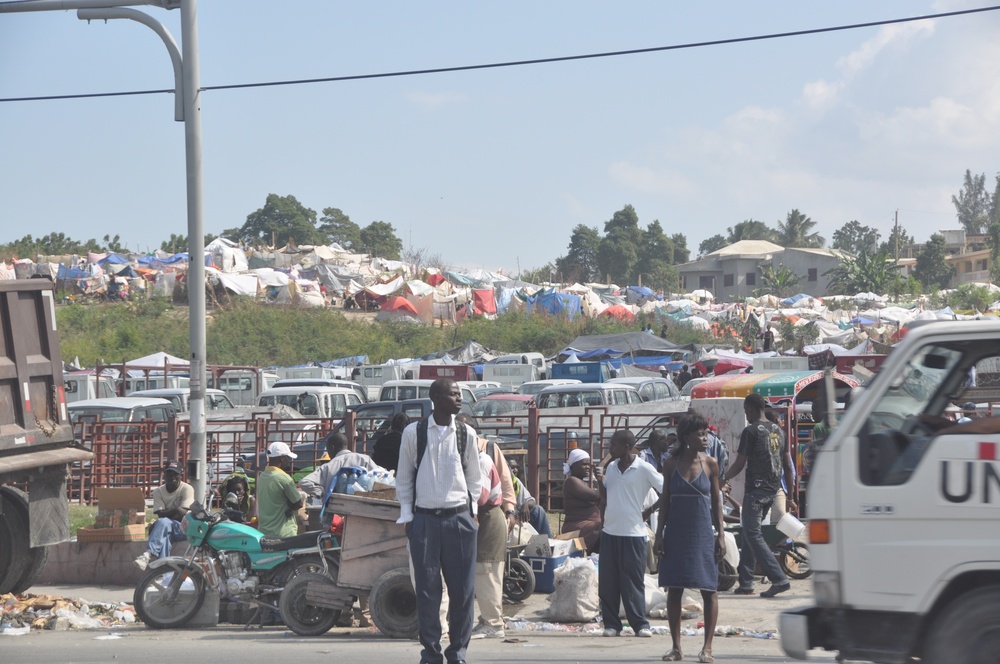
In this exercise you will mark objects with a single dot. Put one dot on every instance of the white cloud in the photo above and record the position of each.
(647, 180)
(434, 100)
(897, 35)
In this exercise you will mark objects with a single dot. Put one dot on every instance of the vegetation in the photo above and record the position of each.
(249, 333)
(866, 273)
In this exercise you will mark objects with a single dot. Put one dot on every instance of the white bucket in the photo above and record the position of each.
(791, 526)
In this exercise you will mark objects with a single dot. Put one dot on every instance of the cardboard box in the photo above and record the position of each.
(121, 517)
(135, 532)
(541, 546)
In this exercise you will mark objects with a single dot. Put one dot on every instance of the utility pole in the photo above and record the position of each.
(895, 233)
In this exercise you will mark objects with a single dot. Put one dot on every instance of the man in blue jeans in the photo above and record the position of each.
(170, 503)
(764, 453)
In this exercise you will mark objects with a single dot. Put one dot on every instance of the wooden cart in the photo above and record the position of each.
(374, 561)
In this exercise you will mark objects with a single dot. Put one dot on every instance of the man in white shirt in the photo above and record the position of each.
(170, 503)
(434, 486)
(624, 540)
(318, 481)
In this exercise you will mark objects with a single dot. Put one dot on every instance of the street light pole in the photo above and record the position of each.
(186, 81)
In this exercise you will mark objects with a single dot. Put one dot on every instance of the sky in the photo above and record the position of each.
(494, 168)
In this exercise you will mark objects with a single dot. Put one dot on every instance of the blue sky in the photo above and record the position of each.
(494, 168)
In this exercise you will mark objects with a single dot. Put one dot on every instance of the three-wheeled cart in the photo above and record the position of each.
(373, 562)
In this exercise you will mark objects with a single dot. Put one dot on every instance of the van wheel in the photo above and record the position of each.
(967, 631)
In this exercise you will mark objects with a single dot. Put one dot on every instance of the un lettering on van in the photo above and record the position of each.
(970, 481)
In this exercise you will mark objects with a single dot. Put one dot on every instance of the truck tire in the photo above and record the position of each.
(37, 556)
(967, 631)
(14, 551)
(301, 617)
(168, 596)
(393, 604)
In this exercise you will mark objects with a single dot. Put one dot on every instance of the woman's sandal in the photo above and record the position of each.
(705, 657)
(674, 655)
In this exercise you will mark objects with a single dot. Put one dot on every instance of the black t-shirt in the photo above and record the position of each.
(386, 452)
(763, 444)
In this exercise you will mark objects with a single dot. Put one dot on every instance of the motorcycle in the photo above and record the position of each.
(232, 559)
(792, 556)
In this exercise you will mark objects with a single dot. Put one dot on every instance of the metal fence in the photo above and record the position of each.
(132, 454)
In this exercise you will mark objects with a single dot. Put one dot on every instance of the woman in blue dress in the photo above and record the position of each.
(691, 504)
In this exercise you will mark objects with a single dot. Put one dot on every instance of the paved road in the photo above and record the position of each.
(277, 644)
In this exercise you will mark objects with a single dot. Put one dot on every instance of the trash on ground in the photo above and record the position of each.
(22, 613)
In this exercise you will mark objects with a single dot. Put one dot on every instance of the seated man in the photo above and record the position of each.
(170, 504)
(318, 481)
(527, 508)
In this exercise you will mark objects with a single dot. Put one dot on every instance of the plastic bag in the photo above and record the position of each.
(520, 534)
(575, 597)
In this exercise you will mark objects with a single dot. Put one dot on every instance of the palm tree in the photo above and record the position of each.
(796, 231)
(780, 282)
(871, 272)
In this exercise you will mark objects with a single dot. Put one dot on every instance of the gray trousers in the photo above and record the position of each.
(444, 545)
(755, 550)
(621, 581)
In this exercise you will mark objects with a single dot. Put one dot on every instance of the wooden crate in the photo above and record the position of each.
(372, 544)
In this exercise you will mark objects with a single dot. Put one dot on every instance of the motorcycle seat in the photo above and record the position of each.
(305, 540)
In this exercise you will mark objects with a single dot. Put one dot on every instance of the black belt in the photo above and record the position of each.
(441, 511)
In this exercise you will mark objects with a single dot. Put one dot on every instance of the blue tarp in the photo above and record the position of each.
(555, 303)
(71, 273)
(114, 259)
(861, 320)
(789, 301)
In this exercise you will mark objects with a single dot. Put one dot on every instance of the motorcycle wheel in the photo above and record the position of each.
(169, 596)
(727, 575)
(301, 617)
(795, 561)
(518, 580)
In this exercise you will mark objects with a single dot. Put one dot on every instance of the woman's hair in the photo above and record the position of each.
(689, 424)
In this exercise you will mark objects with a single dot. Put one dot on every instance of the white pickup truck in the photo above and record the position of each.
(904, 511)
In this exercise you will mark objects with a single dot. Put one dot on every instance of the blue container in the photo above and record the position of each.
(545, 568)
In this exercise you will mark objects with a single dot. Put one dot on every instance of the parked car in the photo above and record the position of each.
(180, 396)
(328, 382)
(653, 388)
(373, 419)
(502, 405)
(122, 409)
(685, 391)
(416, 388)
(536, 386)
(312, 400)
(587, 394)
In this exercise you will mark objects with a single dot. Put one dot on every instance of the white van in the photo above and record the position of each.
(154, 381)
(243, 386)
(536, 359)
(181, 396)
(417, 388)
(536, 386)
(85, 385)
(312, 401)
(372, 377)
(510, 375)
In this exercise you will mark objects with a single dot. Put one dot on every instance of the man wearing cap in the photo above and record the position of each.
(277, 498)
(170, 503)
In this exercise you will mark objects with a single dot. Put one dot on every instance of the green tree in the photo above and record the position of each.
(968, 297)
(993, 232)
(780, 281)
(540, 275)
(618, 252)
(973, 203)
(869, 271)
(853, 238)
(898, 237)
(281, 220)
(797, 231)
(379, 239)
(580, 262)
(179, 243)
(713, 243)
(114, 244)
(750, 229)
(338, 227)
(681, 252)
(931, 269)
(656, 253)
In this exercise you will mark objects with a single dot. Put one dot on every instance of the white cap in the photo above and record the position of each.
(280, 449)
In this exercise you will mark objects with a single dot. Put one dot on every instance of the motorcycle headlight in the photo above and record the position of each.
(826, 589)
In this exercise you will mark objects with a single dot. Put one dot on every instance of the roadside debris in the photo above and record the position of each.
(21, 614)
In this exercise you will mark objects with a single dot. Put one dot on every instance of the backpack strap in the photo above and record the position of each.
(461, 436)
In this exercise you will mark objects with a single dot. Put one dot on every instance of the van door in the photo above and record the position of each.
(908, 478)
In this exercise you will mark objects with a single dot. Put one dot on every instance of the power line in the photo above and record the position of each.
(521, 63)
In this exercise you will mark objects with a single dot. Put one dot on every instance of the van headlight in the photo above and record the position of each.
(826, 589)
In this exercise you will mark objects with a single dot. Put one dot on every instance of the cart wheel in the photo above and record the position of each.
(518, 580)
(727, 575)
(795, 561)
(393, 604)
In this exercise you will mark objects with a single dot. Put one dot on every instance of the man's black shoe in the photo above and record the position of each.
(775, 589)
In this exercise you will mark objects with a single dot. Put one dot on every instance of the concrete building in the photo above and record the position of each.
(733, 272)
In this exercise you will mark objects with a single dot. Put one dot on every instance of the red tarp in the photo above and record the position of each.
(485, 302)
(620, 312)
(434, 279)
(399, 304)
